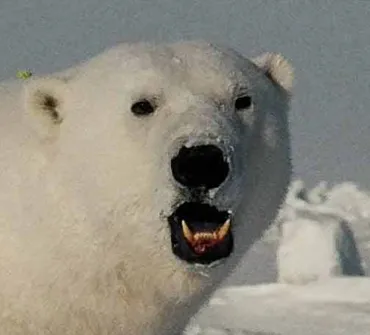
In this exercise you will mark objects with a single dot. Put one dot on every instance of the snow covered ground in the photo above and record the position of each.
(321, 247)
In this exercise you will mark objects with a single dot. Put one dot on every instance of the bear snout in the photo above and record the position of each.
(200, 166)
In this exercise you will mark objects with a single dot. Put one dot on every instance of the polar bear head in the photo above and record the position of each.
(180, 151)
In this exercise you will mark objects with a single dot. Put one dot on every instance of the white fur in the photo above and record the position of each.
(86, 185)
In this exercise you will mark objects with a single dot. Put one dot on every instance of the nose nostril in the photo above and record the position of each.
(200, 166)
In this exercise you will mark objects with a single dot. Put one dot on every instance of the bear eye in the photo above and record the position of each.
(243, 102)
(142, 108)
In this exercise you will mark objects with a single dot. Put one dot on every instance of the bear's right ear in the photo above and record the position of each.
(277, 68)
(44, 100)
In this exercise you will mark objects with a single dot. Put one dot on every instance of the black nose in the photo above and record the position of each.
(200, 166)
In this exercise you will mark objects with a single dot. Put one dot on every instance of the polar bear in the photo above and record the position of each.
(132, 184)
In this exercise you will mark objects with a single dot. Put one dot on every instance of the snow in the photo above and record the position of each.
(322, 256)
(331, 307)
(310, 230)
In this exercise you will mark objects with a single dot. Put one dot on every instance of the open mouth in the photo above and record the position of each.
(200, 233)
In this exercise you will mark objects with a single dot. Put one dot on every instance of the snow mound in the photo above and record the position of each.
(315, 242)
(323, 232)
(329, 307)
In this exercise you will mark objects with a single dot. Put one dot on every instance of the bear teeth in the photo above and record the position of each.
(223, 230)
(217, 235)
(187, 232)
(205, 236)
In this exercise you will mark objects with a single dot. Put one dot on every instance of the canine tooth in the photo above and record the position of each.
(186, 231)
(223, 230)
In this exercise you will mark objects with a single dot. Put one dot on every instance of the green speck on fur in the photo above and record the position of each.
(25, 74)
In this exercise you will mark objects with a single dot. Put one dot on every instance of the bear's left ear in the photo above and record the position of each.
(44, 103)
(277, 68)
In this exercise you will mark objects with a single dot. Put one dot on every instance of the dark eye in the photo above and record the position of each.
(142, 108)
(243, 102)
